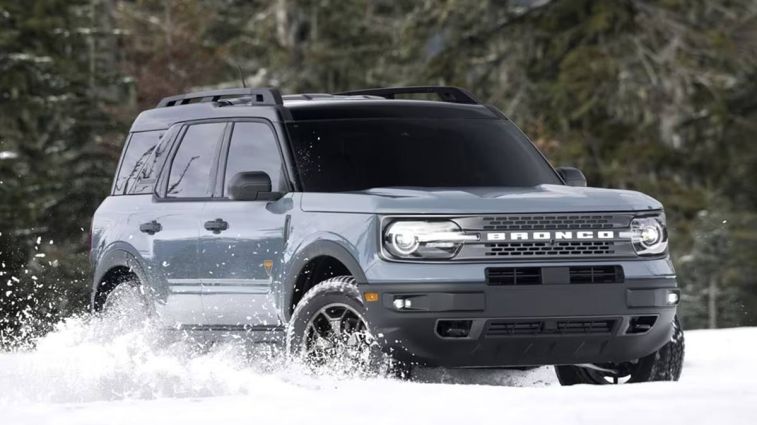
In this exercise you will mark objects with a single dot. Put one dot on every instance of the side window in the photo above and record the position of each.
(138, 150)
(148, 175)
(253, 148)
(189, 176)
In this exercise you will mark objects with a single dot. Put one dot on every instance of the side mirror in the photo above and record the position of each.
(252, 186)
(572, 176)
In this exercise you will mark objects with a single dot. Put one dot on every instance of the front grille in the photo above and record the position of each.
(563, 242)
(563, 249)
(498, 328)
(549, 222)
(511, 276)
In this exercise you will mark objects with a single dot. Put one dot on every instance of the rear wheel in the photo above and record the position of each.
(662, 365)
(126, 306)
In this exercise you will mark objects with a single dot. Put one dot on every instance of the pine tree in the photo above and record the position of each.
(56, 86)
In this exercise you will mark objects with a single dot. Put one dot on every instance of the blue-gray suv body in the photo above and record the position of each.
(434, 226)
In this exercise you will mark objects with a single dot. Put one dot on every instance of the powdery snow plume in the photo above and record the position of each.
(95, 371)
(90, 359)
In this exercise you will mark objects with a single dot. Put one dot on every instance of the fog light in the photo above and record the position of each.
(673, 298)
(402, 303)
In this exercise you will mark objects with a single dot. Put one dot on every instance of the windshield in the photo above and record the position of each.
(359, 154)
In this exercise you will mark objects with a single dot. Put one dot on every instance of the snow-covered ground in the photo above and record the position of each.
(89, 373)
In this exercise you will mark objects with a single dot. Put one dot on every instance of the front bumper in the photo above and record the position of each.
(522, 325)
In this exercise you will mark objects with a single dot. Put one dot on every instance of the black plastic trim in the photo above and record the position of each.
(261, 96)
(411, 334)
(300, 259)
(445, 93)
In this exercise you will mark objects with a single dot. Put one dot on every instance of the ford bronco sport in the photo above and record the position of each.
(431, 228)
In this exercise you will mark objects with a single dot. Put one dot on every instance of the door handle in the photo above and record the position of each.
(216, 226)
(150, 228)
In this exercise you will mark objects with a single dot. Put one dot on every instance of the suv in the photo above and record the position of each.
(430, 228)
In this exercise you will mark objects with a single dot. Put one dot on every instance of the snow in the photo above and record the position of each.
(88, 372)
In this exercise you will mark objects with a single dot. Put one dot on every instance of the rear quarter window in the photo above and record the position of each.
(139, 149)
(147, 176)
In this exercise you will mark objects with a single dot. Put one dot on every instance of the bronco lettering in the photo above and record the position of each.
(542, 235)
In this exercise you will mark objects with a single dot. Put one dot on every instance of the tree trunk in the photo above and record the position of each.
(712, 310)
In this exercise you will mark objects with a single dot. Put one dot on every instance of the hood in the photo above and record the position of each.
(480, 200)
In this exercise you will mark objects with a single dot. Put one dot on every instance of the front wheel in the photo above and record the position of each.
(328, 330)
(664, 364)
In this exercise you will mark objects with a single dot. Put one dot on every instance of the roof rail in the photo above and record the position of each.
(307, 96)
(445, 93)
(264, 96)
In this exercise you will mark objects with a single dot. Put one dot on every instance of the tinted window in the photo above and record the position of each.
(358, 154)
(253, 148)
(194, 160)
(147, 176)
(138, 150)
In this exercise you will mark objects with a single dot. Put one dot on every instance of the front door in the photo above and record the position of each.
(242, 241)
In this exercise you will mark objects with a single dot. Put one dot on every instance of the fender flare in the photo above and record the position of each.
(302, 257)
(120, 255)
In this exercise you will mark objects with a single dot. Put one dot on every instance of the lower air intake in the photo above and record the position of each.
(514, 328)
(550, 327)
(641, 324)
(596, 274)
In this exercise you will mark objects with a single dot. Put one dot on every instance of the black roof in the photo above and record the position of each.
(372, 108)
(271, 105)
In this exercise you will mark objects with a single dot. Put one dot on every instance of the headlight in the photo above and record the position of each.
(407, 239)
(649, 235)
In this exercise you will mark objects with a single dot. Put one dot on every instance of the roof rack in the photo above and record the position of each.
(445, 93)
(263, 96)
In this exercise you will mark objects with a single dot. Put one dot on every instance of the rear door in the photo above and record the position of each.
(238, 258)
(174, 223)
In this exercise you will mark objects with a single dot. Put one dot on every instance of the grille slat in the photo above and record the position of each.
(562, 248)
(552, 222)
